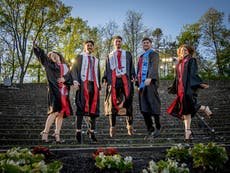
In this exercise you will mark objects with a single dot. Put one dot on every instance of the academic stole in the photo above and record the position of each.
(86, 62)
(64, 90)
(114, 67)
(180, 90)
(144, 68)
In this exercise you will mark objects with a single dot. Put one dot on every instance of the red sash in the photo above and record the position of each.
(139, 75)
(86, 92)
(125, 82)
(64, 94)
(180, 90)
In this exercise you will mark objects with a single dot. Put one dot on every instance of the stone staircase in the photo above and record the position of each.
(23, 115)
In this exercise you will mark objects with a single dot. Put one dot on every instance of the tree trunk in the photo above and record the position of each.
(22, 75)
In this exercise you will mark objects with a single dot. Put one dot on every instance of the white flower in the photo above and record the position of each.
(101, 155)
(144, 171)
(128, 160)
(116, 159)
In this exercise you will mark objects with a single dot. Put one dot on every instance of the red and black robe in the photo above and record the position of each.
(119, 88)
(87, 97)
(58, 93)
(185, 85)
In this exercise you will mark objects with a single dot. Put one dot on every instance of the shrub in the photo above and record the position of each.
(209, 156)
(109, 159)
(178, 153)
(169, 166)
(18, 160)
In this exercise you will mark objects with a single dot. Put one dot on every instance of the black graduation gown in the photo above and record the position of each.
(80, 97)
(191, 83)
(149, 100)
(130, 73)
(53, 73)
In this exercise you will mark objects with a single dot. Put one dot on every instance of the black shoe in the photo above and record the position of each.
(149, 134)
(156, 133)
(92, 136)
(78, 137)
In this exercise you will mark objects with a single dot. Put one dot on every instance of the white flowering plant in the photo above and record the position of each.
(23, 160)
(169, 166)
(113, 161)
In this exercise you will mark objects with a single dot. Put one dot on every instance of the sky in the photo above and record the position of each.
(169, 15)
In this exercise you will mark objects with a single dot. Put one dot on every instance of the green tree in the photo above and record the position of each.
(157, 38)
(25, 20)
(190, 35)
(213, 32)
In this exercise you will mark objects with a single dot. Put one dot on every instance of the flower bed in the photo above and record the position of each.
(108, 160)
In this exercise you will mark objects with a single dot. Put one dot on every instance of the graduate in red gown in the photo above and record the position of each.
(86, 77)
(118, 77)
(59, 81)
(185, 85)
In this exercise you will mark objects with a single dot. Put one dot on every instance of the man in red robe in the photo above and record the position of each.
(86, 77)
(118, 77)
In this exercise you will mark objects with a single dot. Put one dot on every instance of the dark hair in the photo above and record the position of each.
(89, 41)
(147, 38)
(189, 48)
(60, 56)
(117, 37)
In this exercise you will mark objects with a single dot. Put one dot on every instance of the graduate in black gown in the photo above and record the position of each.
(118, 78)
(59, 81)
(86, 77)
(148, 82)
(185, 85)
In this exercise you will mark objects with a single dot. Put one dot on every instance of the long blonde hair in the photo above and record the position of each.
(189, 48)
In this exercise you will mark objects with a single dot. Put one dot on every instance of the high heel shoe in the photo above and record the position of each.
(188, 135)
(206, 110)
(92, 135)
(57, 138)
(44, 136)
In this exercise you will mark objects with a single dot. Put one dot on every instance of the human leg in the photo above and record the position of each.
(112, 122)
(148, 122)
(58, 123)
(79, 119)
(49, 121)
(129, 122)
(158, 126)
(91, 128)
(187, 125)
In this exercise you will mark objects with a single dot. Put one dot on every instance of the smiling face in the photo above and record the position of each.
(89, 48)
(117, 43)
(54, 57)
(184, 52)
(146, 44)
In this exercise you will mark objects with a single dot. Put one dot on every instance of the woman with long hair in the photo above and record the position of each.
(185, 85)
(59, 81)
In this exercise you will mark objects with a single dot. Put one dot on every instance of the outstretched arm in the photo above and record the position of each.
(40, 54)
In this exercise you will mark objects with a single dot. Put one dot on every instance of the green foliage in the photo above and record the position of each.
(169, 166)
(178, 153)
(168, 77)
(113, 162)
(209, 156)
(18, 160)
(190, 35)
(22, 21)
